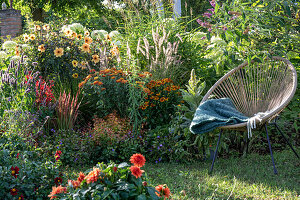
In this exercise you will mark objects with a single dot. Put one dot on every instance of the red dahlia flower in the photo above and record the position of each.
(136, 171)
(21, 197)
(14, 192)
(14, 171)
(138, 160)
(58, 180)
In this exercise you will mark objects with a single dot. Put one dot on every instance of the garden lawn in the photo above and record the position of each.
(250, 177)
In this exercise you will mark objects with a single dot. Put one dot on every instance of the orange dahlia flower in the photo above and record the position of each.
(93, 176)
(136, 171)
(57, 190)
(138, 160)
(75, 184)
(81, 177)
(163, 190)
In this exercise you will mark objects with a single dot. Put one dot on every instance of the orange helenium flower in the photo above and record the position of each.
(92, 176)
(138, 159)
(136, 171)
(57, 190)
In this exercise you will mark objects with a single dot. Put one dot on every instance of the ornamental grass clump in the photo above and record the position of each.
(67, 110)
(112, 181)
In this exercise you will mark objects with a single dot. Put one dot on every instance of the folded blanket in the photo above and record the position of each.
(215, 113)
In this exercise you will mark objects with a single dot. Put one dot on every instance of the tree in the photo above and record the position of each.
(37, 7)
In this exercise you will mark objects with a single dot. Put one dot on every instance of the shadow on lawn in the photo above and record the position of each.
(249, 177)
(258, 169)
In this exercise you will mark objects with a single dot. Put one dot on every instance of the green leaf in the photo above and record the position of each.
(141, 197)
(217, 8)
(151, 191)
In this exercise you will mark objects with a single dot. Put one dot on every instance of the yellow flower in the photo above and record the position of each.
(74, 35)
(85, 47)
(32, 37)
(46, 27)
(58, 52)
(41, 48)
(96, 78)
(86, 33)
(74, 63)
(68, 32)
(115, 51)
(17, 52)
(26, 37)
(88, 40)
(37, 28)
(75, 75)
(96, 58)
(79, 36)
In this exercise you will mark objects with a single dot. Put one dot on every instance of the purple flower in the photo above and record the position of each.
(57, 147)
(158, 136)
(224, 28)
(213, 3)
(199, 21)
(212, 10)
(159, 159)
(113, 150)
(52, 130)
(203, 38)
(207, 14)
(160, 145)
(156, 162)
(209, 29)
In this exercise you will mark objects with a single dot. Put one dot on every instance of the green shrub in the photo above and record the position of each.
(24, 172)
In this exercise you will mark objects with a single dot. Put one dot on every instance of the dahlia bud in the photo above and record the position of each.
(115, 169)
(145, 183)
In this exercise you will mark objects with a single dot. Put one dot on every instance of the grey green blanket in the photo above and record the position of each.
(215, 113)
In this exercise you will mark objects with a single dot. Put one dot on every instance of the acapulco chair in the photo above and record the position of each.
(265, 87)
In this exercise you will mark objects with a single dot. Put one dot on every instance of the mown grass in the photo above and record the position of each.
(250, 177)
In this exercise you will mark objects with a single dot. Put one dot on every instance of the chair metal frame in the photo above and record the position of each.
(257, 88)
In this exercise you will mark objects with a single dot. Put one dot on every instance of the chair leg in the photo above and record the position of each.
(216, 153)
(286, 140)
(275, 170)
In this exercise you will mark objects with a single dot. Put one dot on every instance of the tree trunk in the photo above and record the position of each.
(37, 14)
